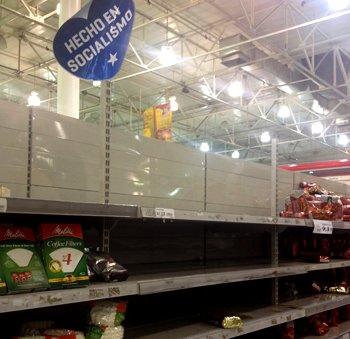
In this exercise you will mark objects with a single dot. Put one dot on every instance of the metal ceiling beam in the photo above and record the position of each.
(28, 18)
(169, 14)
(255, 39)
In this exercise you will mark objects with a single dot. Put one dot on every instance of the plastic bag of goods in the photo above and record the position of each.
(106, 319)
(20, 261)
(288, 330)
(105, 267)
(63, 253)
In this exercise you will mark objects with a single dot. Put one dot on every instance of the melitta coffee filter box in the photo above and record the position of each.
(20, 262)
(3, 288)
(63, 253)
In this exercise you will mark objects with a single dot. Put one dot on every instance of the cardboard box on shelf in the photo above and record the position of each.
(63, 252)
(20, 261)
(3, 288)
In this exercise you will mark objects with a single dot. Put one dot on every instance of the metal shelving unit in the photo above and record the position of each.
(166, 282)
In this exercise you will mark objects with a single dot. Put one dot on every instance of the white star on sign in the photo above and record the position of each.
(112, 58)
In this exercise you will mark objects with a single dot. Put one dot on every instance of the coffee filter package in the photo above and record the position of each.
(63, 253)
(3, 289)
(20, 262)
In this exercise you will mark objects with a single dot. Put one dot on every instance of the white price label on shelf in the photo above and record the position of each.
(323, 227)
(165, 213)
(3, 205)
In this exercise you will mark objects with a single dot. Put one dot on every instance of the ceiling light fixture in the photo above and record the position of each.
(34, 99)
(96, 83)
(283, 112)
(174, 106)
(316, 128)
(265, 137)
(204, 147)
(343, 140)
(316, 107)
(167, 56)
(287, 89)
(235, 154)
(235, 89)
(205, 89)
(337, 5)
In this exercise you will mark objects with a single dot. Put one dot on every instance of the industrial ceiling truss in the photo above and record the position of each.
(242, 72)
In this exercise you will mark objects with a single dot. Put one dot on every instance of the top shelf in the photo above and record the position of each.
(62, 208)
(49, 207)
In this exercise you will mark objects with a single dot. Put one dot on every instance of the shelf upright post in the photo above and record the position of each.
(274, 232)
(29, 153)
(105, 128)
(105, 236)
(205, 180)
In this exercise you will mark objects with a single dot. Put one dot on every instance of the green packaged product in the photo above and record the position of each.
(63, 252)
(3, 289)
(20, 261)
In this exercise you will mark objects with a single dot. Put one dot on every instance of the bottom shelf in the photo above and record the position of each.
(255, 320)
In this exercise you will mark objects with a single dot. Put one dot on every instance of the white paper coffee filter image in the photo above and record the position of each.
(68, 257)
(20, 256)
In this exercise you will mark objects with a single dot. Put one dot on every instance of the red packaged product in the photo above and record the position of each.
(318, 324)
(346, 312)
(286, 214)
(346, 217)
(288, 331)
(345, 200)
(346, 209)
(334, 317)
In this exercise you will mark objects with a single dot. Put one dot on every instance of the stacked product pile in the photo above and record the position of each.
(106, 319)
(346, 208)
(105, 322)
(56, 260)
(330, 282)
(315, 248)
(314, 202)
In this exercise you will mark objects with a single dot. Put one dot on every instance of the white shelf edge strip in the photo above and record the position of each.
(27, 301)
(151, 213)
(32, 206)
(156, 283)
